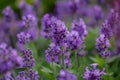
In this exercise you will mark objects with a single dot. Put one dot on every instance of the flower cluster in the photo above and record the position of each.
(29, 21)
(46, 26)
(28, 58)
(59, 33)
(23, 37)
(9, 24)
(8, 14)
(102, 42)
(52, 54)
(26, 8)
(9, 59)
(93, 73)
(67, 44)
(80, 27)
(7, 76)
(63, 42)
(67, 61)
(73, 40)
(54, 28)
(27, 75)
(66, 75)
(113, 20)
(106, 30)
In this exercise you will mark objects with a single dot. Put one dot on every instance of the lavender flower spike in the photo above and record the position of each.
(8, 13)
(73, 40)
(66, 75)
(7, 76)
(67, 61)
(59, 32)
(46, 26)
(93, 73)
(27, 75)
(9, 59)
(102, 43)
(23, 37)
(29, 20)
(106, 30)
(52, 54)
(28, 60)
(80, 27)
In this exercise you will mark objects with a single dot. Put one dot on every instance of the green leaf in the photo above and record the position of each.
(98, 60)
(44, 69)
(111, 59)
(47, 72)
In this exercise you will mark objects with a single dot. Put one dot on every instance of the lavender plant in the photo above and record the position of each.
(58, 40)
(28, 60)
(93, 73)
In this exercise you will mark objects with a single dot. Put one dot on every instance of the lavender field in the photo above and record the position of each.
(59, 39)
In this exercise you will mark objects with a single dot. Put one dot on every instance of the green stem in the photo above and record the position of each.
(107, 69)
(76, 61)
(62, 59)
(54, 72)
(13, 74)
(63, 66)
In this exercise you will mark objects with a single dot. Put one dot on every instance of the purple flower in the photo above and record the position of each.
(73, 6)
(4, 37)
(7, 76)
(46, 26)
(52, 53)
(54, 29)
(73, 40)
(98, 13)
(105, 53)
(26, 8)
(8, 14)
(20, 46)
(106, 30)
(29, 20)
(93, 73)
(113, 18)
(27, 75)
(9, 23)
(102, 43)
(80, 27)
(34, 32)
(23, 37)
(67, 61)
(9, 59)
(59, 32)
(28, 60)
(114, 21)
(66, 75)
